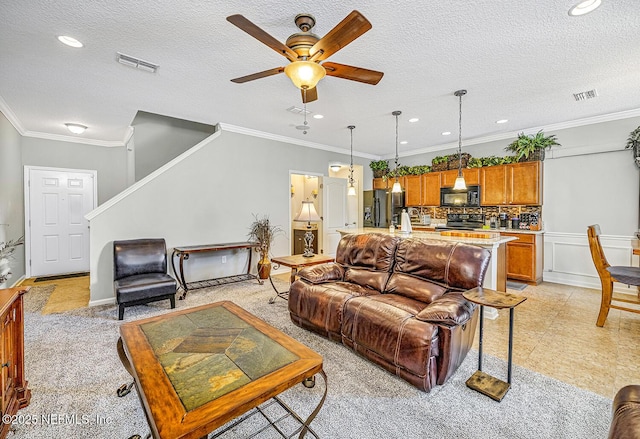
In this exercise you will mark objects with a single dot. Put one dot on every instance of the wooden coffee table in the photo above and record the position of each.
(197, 369)
(294, 262)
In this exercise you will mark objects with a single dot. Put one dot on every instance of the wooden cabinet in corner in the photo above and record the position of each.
(525, 257)
(518, 184)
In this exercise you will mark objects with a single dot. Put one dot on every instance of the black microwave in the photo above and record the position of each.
(469, 197)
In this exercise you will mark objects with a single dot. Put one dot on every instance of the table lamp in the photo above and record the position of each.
(308, 213)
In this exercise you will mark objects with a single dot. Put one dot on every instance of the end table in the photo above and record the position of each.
(295, 262)
(481, 381)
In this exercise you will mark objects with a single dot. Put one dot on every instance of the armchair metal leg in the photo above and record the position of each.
(172, 299)
(121, 311)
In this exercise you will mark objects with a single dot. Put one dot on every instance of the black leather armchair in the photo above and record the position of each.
(140, 273)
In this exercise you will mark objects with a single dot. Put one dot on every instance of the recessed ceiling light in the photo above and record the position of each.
(413, 119)
(76, 128)
(318, 116)
(69, 41)
(584, 7)
(404, 142)
(446, 133)
(502, 121)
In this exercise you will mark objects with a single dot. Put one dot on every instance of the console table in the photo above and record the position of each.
(481, 381)
(295, 262)
(183, 254)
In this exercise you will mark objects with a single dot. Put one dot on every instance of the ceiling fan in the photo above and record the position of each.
(305, 50)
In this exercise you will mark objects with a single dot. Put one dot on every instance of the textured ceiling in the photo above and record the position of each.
(520, 61)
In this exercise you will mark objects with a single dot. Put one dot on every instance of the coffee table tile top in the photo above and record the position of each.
(211, 352)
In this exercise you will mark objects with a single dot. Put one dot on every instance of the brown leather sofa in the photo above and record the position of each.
(626, 414)
(397, 302)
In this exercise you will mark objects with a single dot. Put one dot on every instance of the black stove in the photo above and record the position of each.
(463, 221)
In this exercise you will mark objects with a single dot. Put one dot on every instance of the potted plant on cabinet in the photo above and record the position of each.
(633, 142)
(531, 147)
(379, 168)
(263, 232)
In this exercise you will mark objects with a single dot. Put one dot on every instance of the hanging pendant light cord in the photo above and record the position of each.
(351, 127)
(460, 137)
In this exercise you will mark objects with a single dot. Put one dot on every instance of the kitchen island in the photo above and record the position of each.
(496, 277)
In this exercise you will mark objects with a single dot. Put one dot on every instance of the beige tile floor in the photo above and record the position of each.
(555, 334)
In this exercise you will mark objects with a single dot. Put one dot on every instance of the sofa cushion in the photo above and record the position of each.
(450, 264)
(451, 309)
(414, 287)
(317, 274)
(384, 326)
(144, 286)
(319, 307)
(368, 258)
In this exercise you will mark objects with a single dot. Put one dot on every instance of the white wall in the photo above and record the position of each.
(111, 163)
(159, 139)
(207, 195)
(11, 196)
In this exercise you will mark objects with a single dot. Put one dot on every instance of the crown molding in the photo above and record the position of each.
(512, 134)
(290, 140)
(11, 117)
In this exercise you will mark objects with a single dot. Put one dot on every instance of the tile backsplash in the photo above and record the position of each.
(440, 213)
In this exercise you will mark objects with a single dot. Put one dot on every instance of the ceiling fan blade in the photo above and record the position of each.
(258, 75)
(353, 73)
(260, 35)
(311, 95)
(342, 34)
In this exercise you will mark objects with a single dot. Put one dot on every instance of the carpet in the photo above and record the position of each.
(516, 285)
(73, 371)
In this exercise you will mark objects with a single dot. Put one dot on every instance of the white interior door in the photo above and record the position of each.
(57, 233)
(334, 212)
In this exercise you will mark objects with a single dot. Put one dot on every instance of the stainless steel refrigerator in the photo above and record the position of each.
(381, 207)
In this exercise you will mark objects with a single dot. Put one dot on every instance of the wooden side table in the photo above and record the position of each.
(295, 262)
(481, 381)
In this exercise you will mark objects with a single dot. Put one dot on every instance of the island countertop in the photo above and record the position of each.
(483, 242)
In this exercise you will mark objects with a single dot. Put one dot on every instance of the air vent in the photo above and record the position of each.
(137, 63)
(298, 110)
(583, 96)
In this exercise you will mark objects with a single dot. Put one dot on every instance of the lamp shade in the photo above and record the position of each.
(304, 74)
(308, 212)
(351, 191)
(396, 187)
(460, 183)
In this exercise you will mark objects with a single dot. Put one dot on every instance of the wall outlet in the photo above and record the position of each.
(224, 259)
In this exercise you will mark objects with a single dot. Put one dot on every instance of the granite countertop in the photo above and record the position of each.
(435, 235)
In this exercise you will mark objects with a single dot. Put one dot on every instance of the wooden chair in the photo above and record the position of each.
(610, 274)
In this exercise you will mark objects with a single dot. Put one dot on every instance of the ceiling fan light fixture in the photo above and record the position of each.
(305, 74)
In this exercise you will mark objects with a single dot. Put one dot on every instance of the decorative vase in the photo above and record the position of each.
(264, 266)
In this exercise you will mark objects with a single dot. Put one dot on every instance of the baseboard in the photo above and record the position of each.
(585, 282)
(18, 282)
(110, 301)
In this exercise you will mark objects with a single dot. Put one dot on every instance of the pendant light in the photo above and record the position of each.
(352, 190)
(396, 186)
(460, 183)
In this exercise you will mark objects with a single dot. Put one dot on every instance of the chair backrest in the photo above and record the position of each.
(597, 254)
(139, 256)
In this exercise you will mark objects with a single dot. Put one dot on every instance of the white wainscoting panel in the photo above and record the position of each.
(567, 259)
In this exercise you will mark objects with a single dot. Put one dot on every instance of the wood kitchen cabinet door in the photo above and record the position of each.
(493, 185)
(412, 196)
(471, 177)
(431, 189)
(524, 183)
(379, 183)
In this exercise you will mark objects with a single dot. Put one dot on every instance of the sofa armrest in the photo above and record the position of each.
(626, 413)
(318, 274)
(451, 309)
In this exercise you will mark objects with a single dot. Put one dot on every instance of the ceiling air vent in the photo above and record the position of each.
(137, 63)
(584, 95)
(298, 110)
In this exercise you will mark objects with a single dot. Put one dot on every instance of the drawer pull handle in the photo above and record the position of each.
(6, 364)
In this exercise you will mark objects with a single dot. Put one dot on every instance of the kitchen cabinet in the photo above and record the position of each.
(524, 183)
(413, 190)
(471, 177)
(513, 184)
(15, 394)
(380, 183)
(430, 193)
(298, 241)
(524, 257)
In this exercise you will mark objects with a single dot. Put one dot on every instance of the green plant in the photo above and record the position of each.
(526, 145)
(439, 159)
(491, 160)
(379, 165)
(633, 142)
(474, 162)
(263, 232)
